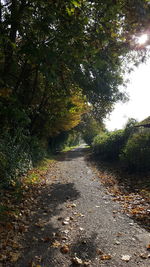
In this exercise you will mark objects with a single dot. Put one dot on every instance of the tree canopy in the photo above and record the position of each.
(58, 57)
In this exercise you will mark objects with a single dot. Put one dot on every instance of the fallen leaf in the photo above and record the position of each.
(64, 249)
(148, 247)
(77, 261)
(56, 244)
(38, 258)
(72, 205)
(65, 223)
(16, 245)
(126, 257)
(86, 263)
(67, 219)
(120, 234)
(144, 256)
(105, 257)
(99, 252)
(14, 256)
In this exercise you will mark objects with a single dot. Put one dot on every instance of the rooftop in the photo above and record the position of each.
(145, 123)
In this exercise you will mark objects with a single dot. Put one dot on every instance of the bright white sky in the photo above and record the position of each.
(138, 107)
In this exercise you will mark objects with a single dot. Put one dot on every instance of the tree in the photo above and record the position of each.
(89, 128)
(57, 55)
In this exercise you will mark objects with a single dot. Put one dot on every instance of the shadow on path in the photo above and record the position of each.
(73, 154)
(42, 231)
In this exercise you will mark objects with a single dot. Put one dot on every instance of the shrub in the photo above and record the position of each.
(38, 150)
(14, 157)
(109, 145)
(136, 153)
(90, 128)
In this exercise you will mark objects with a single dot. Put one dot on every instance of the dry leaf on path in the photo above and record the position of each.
(73, 205)
(105, 257)
(14, 256)
(64, 249)
(56, 244)
(144, 255)
(99, 252)
(87, 263)
(148, 247)
(77, 261)
(65, 223)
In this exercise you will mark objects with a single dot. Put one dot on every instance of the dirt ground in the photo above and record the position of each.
(75, 222)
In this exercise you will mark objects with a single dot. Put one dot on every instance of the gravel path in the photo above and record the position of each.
(76, 217)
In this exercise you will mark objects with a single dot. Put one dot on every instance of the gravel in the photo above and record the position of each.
(77, 211)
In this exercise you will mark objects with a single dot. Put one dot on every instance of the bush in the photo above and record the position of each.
(90, 128)
(14, 157)
(109, 145)
(136, 153)
(18, 153)
(38, 150)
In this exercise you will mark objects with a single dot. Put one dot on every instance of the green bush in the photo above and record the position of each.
(14, 157)
(136, 153)
(109, 145)
(18, 153)
(90, 128)
(38, 150)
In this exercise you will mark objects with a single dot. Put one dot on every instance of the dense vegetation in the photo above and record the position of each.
(56, 57)
(130, 146)
(136, 152)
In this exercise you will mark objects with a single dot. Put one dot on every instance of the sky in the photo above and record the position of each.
(138, 107)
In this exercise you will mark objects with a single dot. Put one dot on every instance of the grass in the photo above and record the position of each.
(68, 148)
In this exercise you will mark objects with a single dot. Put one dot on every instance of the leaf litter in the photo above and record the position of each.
(16, 206)
(132, 191)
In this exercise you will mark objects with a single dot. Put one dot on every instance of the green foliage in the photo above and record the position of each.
(55, 56)
(65, 139)
(89, 128)
(128, 145)
(107, 146)
(136, 152)
(18, 154)
(14, 157)
(38, 150)
(129, 129)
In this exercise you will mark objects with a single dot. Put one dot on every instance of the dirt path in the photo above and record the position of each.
(74, 216)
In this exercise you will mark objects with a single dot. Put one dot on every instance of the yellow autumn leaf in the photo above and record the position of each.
(105, 257)
(56, 244)
(14, 256)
